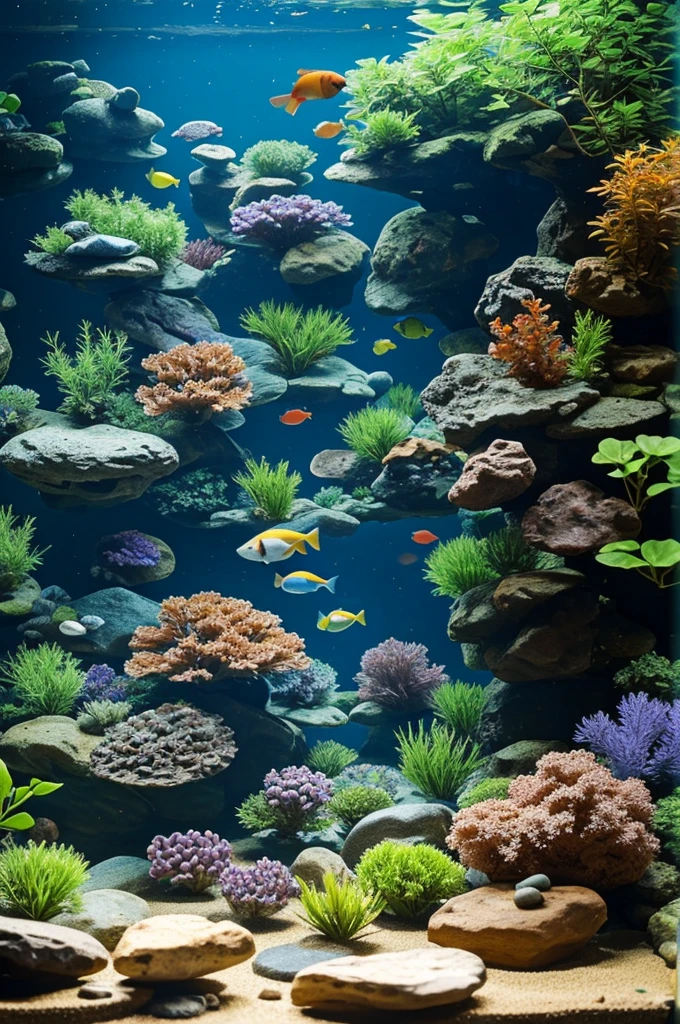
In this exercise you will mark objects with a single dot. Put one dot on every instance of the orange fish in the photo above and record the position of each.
(311, 85)
(329, 129)
(424, 537)
(408, 558)
(294, 417)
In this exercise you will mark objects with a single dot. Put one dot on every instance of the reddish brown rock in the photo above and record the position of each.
(576, 518)
(420, 449)
(487, 922)
(595, 283)
(499, 474)
(642, 364)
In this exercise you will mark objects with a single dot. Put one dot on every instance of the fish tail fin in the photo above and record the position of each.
(360, 617)
(281, 101)
(429, 331)
(278, 579)
(319, 619)
(176, 182)
(293, 104)
(312, 539)
(330, 584)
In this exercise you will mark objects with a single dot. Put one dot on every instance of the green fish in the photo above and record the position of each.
(412, 327)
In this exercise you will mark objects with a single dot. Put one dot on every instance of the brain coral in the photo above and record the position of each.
(572, 820)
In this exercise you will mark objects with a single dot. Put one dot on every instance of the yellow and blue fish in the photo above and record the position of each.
(161, 179)
(338, 620)
(412, 327)
(382, 346)
(275, 545)
(302, 582)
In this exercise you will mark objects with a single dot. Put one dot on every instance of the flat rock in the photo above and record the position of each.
(332, 254)
(125, 874)
(606, 416)
(213, 155)
(324, 717)
(642, 364)
(105, 914)
(72, 268)
(577, 519)
(489, 478)
(49, 744)
(316, 861)
(98, 129)
(407, 823)
(487, 922)
(40, 946)
(522, 137)
(412, 979)
(178, 947)
(282, 963)
(102, 247)
(24, 151)
(339, 464)
(330, 377)
(518, 594)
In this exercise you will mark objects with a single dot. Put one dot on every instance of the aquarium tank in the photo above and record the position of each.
(339, 457)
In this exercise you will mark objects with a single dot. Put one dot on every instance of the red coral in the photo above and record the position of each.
(536, 353)
(572, 820)
(202, 379)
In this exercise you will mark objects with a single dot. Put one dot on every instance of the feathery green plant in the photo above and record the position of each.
(651, 673)
(255, 814)
(12, 797)
(18, 557)
(487, 789)
(666, 824)
(46, 679)
(272, 489)
(99, 715)
(506, 552)
(460, 706)
(122, 410)
(385, 129)
(299, 337)
(328, 497)
(590, 338)
(40, 881)
(17, 406)
(411, 879)
(373, 432)
(457, 566)
(435, 761)
(87, 378)
(354, 803)
(278, 158)
(55, 241)
(194, 495)
(341, 909)
(404, 399)
(330, 757)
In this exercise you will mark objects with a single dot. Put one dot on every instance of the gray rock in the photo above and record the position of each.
(470, 339)
(102, 247)
(257, 189)
(541, 277)
(95, 991)
(342, 464)
(91, 271)
(5, 353)
(331, 377)
(213, 156)
(371, 714)
(7, 300)
(98, 130)
(522, 137)
(474, 615)
(414, 484)
(25, 151)
(180, 279)
(406, 823)
(606, 417)
(80, 67)
(56, 594)
(122, 611)
(564, 231)
(315, 862)
(540, 882)
(76, 229)
(520, 758)
(282, 963)
(105, 914)
(324, 717)
(33, 179)
(126, 98)
(527, 898)
(330, 521)
(124, 874)
(48, 746)
(178, 1006)
(381, 381)
(40, 946)
(332, 254)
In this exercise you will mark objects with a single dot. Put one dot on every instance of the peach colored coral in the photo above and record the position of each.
(572, 820)
(530, 344)
(208, 636)
(202, 379)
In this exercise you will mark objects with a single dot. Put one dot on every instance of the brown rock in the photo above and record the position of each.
(518, 594)
(642, 364)
(178, 947)
(576, 518)
(501, 473)
(421, 449)
(41, 947)
(595, 283)
(487, 922)
(412, 979)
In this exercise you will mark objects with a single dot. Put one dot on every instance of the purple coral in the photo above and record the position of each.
(296, 794)
(308, 687)
(202, 253)
(260, 891)
(643, 744)
(131, 548)
(192, 859)
(398, 676)
(284, 222)
(102, 683)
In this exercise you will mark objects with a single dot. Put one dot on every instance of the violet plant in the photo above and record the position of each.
(296, 795)
(283, 222)
(258, 891)
(203, 253)
(102, 683)
(195, 860)
(130, 548)
(399, 676)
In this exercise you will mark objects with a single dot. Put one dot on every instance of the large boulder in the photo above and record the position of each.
(122, 611)
(405, 823)
(105, 914)
(333, 254)
(596, 283)
(577, 519)
(40, 947)
(540, 277)
(98, 129)
(179, 947)
(52, 744)
(516, 140)
(110, 274)
(30, 162)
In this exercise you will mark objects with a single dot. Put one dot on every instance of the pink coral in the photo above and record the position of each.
(572, 820)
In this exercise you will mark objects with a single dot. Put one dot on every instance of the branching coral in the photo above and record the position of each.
(572, 820)
(398, 676)
(643, 744)
(208, 636)
(530, 344)
(201, 379)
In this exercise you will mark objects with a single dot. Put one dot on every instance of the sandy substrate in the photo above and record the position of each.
(616, 978)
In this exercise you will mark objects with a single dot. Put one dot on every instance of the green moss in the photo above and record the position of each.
(18, 556)
(299, 337)
(435, 761)
(330, 757)
(411, 879)
(121, 410)
(652, 674)
(272, 489)
(64, 613)
(271, 158)
(487, 789)
(45, 679)
(89, 377)
(350, 805)
(341, 909)
(385, 129)
(195, 495)
(41, 881)
(373, 432)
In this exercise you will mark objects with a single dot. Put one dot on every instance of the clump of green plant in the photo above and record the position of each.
(487, 789)
(666, 824)
(589, 341)
(350, 805)
(54, 241)
(273, 489)
(46, 679)
(88, 377)
(12, 797)
(652, 674)
(38, 881)
(64, 613)
(385, 129)
(373, 432)
(404, 399)
(363, 494)
(655, 560)
(435, 761)
(195, 495)
(330, 757)
(9, 103)
(17, 406)
(300, 337)
(18, 556)
(278, 158)
(341, 909)
(329, 497)
(506, 552)
(255, 814)
(55, 128)
(410, 879)
(99, 715)
(635, 460)
(122, 410)
(460, 706)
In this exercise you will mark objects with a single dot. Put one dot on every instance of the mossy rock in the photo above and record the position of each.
(26, 151)
(20, 600)
(5, 353)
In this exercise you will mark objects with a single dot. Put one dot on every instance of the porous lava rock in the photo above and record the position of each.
(492, 477)
(179, 947)
(577, 518)
(642, 364)
(540, 277)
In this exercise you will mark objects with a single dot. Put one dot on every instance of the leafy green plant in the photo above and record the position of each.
(195, 495)
(457, 566)
(272, 489)
(666, 824)
(363, 493)
(329, 497)
(87, 378)
(18, 556)
(435, 761)
(404, 399)
(12, 797)
(506, 552)
(55, 241)
(255, 814)
(40, 881)
(99, 715)
(589, 341)
(410, 879)
(385, 129)
(487, 789)
(460, 706)
(373, 432)
(330, 757)
(299, 337)
(651, 673)
(17, 406)
(9, 103)
(272, 158)
(656, 560)
(350, 805)
(341, 909)
(55, 128)
(634, 460)
(46, 679)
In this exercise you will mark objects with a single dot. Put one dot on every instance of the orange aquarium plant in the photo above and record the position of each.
(536, 352)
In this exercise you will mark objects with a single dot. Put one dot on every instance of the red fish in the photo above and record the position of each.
(311, 85)
(424, 537)
(294, 417)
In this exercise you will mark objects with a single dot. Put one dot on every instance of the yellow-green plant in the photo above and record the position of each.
(591, 336)
(39, 881)
(459, 705)
(273, 489)
(18, 556)
(89, 377)
(13, 797)
(411, 879)
(299, 337)
(46, 679)
(435, 761)
(373, 432)
(341, 910)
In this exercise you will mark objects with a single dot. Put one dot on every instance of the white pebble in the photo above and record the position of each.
(72, 628)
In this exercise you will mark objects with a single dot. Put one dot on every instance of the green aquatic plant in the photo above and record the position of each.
(122, 410)
(666, 824)
(488, 789)
(651, 673)
(633, 462)
(17, 406)
(38, 881)
(18, 556)
(372, 433)
(363, 494)
(404, 399)
(9, 102)
(54, 241)
(350, 805)
(411, 880)
(46, 679)
(300, 337)
(278, 158)
(589, 342)
(273, 489)
(460, 706)
(507, 552)
(255, 814)
(195, 495)
(55, 128)
(330, 757)
(341, 909)
(435, 761)
(656, 560)
(87, 378)
(457, 566)
(385, 129)
(99, 715)
(13, 797)
(329, 497)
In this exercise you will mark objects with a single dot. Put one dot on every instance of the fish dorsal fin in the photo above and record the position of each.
(306, 71)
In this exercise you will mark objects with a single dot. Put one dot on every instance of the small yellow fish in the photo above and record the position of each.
(338, 620)
(161, 179)
(383, 346)
(275, 545)
(329, 129)
(302, 582)
(412, 327)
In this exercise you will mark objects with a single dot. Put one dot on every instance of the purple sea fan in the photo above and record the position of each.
(193, 859)
(296, 794)
(284, 222)
(102, 683)
(643, 744)
(398, 676)
(259, 891)
(131, 548)
(202, 253)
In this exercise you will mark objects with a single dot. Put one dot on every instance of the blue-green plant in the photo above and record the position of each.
(590, 338)
(435, 761)
(634, 461)
(404, 399)
(159, 233)
(278, 158)
(350, 805)
(330, 757)
(329, 497)
(99, 715)
(195, 495)
(341, 910)
(299, 337)
(385, 129)
(410, 879)
(271, 488)
(18, 555)
(17, 408)
(460, 706)
(39, 881)
(46, 680)
(13, 797)
(372, 432)
(487, 789)
(89, 377)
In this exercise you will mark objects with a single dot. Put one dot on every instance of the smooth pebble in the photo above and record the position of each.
(528, 898)
(94, 991)
(540, 882)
